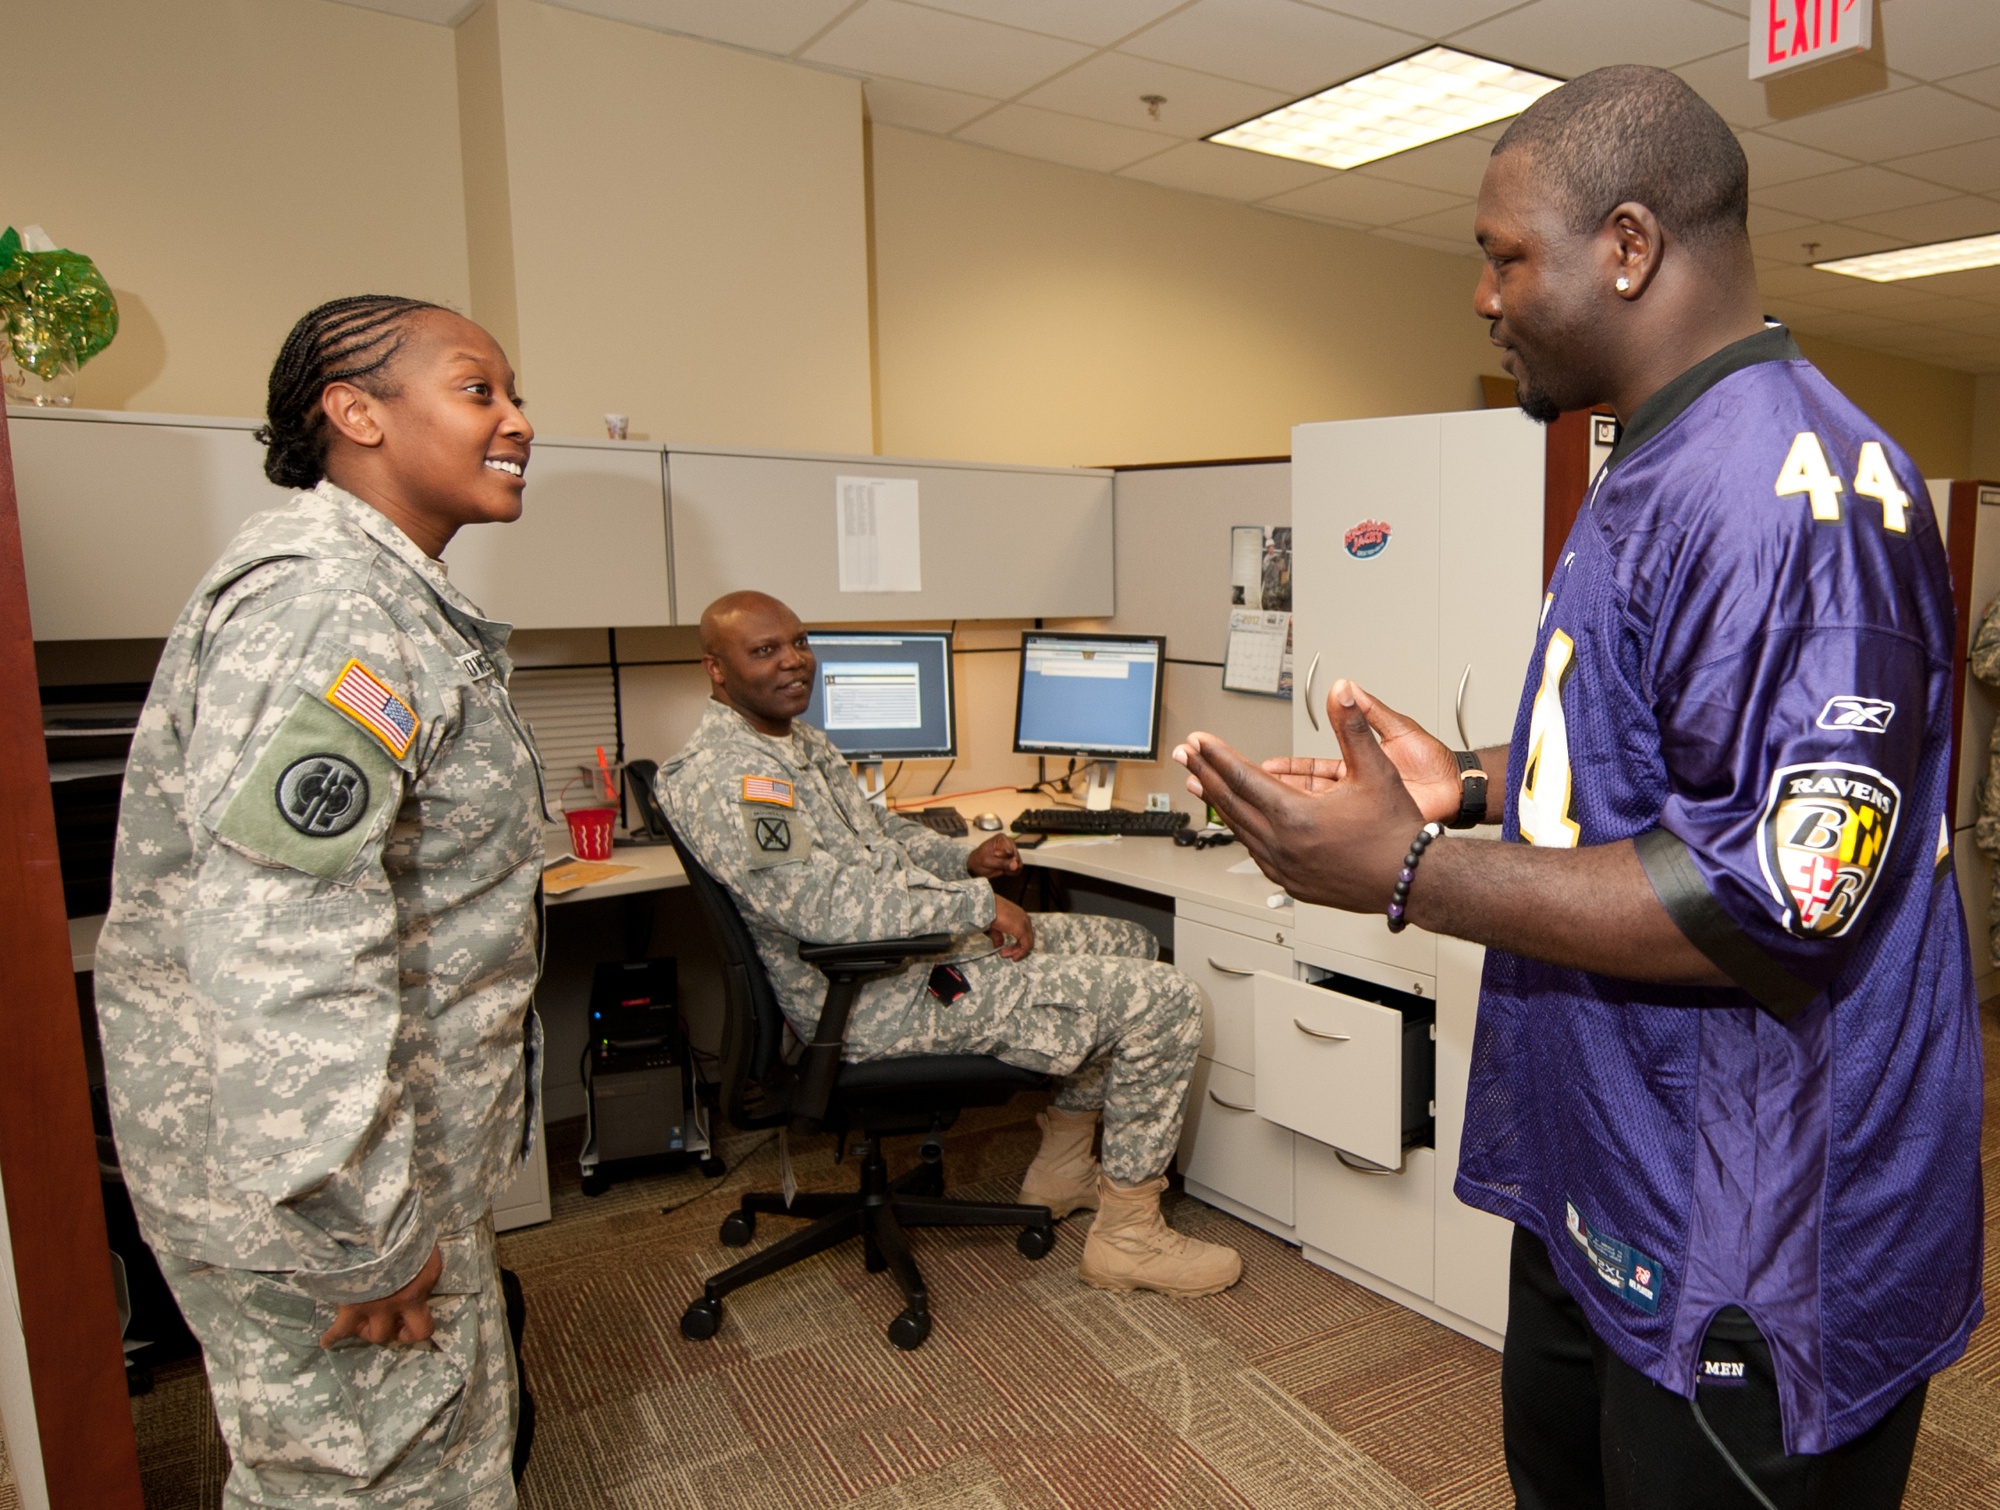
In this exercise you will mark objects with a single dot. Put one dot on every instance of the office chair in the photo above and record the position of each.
(882, 1098)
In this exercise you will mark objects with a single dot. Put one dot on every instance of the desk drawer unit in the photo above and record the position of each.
(1385, 1223)
(1331, 1066)
(1227, 1147)
(1224, 964)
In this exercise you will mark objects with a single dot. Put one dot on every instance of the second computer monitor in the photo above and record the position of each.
(1090, 694)
(883, 695)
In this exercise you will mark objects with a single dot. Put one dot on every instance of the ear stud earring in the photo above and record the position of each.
(1623, 285)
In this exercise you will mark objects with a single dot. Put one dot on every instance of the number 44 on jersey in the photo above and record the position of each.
(1805, 471)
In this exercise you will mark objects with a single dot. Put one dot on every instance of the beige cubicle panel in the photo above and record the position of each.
(121, 515)
(590, 547)
(997, 542)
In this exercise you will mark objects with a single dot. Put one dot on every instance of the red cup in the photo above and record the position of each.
(590, 832)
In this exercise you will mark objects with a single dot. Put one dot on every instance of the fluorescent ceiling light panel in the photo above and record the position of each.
(1419, 99)
(1919, 261)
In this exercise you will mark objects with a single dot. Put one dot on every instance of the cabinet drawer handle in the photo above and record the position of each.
(1227, 969)
(1316, 1033)
(1230, 1105)
(1362, 1166)
(1311, 671)
(1458, 709)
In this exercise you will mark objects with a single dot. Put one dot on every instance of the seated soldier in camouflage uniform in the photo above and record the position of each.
(770, 808)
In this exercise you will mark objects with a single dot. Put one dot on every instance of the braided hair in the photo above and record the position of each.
(351, 340)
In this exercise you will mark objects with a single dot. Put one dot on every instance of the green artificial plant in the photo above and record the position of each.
(56, 305)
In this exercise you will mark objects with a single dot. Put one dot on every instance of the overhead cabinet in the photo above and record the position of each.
(992, 542)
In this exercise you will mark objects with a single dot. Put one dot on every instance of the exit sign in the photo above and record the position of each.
(1789, 34)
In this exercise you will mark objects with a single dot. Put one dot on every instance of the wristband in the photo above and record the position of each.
(1399, 900)
(1471, 791)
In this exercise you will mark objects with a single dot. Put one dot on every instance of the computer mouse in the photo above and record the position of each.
(988, 823)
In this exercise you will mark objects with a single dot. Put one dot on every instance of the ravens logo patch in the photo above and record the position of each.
(1823, 841)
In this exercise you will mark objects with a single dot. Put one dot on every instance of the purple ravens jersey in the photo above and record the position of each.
(1744, 665)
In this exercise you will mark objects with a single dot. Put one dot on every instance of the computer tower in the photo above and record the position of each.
(638, 1079)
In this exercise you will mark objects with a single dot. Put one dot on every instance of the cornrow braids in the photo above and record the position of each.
(351, 340)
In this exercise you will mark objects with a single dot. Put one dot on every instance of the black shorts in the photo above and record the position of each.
(1584, 1429)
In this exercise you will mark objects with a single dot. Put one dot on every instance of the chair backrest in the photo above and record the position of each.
(753, 1024)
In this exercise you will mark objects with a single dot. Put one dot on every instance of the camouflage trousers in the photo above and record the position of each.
(423, 1426)
(1091, 1003)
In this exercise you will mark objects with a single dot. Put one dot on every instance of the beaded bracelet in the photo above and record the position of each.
(1399, 902)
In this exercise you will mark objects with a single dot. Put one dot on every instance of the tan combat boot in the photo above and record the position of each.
(1064, 1174)
(1131, 1247)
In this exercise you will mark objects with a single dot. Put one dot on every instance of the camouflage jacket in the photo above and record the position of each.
(1985, 664)
(314, 985)
(783, 824)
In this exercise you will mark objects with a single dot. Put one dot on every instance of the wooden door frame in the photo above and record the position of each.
(48, 1151)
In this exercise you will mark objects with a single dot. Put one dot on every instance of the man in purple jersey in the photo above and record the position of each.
(1726, 1079)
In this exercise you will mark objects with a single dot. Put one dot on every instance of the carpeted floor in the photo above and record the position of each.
(1295, 1389)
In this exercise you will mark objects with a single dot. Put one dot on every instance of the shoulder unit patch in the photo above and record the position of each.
(1822, 842)
(368, 700)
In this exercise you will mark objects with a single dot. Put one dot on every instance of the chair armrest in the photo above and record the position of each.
(873, 956)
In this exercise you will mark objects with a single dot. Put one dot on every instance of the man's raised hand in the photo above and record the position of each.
(1424, 761)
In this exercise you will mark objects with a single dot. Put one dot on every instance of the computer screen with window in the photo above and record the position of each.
(884, 695)
(1090, 694)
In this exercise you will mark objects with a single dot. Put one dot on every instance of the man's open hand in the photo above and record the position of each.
(402, 1317)
(996, 857)
(1011, 931)
(1424, 761)
(1339, 844)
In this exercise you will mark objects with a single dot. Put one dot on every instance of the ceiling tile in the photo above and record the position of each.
(1279, 44)
(1764, 219)
(1773, 160)
(1109, 88)
(1454, 165)
(1061, 138)
(1850, 192)
(1936, 41)
(1983, 85)
(893, 102)
(1828, 241)
(1788, 279)
(1738, 8)
(947, 51)
(1889, 300)
(779, 26)
(1894, 124)
(1098, 22)
(1365, 201)
(1843, 326)
(1429, 243)
(1980, 284)
(1971, 166)
(1428, 18)
(1947, 314)
(1724, 81)
(1226, 172)
(437, 12)
(1947, 220)
(1453, 226)
(1569, 37)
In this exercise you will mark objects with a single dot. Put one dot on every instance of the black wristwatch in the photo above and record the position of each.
(1471, 791)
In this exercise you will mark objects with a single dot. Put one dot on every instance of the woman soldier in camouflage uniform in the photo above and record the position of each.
(314, 983)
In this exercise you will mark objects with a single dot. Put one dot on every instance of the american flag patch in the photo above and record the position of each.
(365, 698)
(767, 789)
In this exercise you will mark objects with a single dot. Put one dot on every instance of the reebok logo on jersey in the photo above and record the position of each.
(1825, 831)
(1856, 715)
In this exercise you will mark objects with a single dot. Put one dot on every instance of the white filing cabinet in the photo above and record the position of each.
(1230, 1156)
(1439, 623)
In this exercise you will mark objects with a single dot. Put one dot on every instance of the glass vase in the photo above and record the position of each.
(26, 389)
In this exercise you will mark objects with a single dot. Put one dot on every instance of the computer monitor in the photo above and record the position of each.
(1096, 695)
(884, 694)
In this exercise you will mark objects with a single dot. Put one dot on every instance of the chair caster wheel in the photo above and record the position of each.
(738, 1228)
(713, 1168)
(1035, 1242)
(910, 1329)
(701, 1320)
(595, 1185)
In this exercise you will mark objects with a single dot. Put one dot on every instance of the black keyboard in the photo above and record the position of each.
(948, 821)
(1080, 820)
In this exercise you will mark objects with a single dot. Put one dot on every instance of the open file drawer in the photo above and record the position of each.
(1345, 1062)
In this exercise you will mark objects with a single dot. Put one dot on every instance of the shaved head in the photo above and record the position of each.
(758, 659)
(1638, 135)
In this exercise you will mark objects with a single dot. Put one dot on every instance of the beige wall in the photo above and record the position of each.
(685, 231)
(229, 164)
(1986, 428)
(1034, 313)
(1928, 410)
